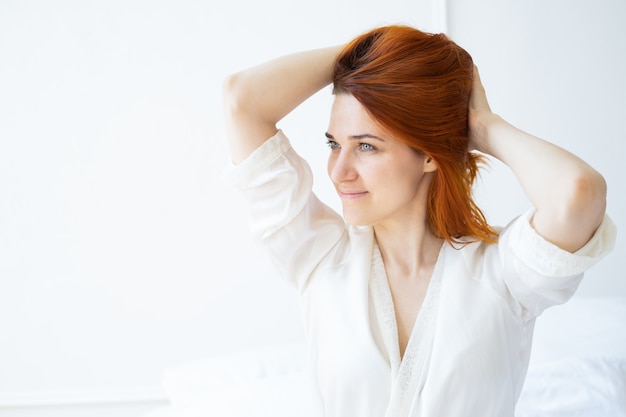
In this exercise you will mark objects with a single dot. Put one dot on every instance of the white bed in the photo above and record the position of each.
(577, 368)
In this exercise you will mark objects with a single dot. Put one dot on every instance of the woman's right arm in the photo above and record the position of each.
(257, 98)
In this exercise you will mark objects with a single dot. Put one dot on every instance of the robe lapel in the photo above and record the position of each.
(408, 375)
(385, 313)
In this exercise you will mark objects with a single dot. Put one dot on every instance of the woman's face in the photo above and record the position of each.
(378, 178)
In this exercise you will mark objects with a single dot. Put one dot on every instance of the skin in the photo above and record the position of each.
(569, 195)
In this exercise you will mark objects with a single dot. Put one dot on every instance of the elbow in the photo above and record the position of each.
(233, 94)
(578, 207)
(243, 103)
(587, 196)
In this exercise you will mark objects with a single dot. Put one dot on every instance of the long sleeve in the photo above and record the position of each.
(295, 227)
(538, 273)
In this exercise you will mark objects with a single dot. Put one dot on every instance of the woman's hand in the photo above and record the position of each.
(480, 115)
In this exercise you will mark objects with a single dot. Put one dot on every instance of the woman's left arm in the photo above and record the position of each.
(569, 195)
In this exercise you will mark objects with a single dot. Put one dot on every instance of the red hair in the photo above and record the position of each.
(417, 85)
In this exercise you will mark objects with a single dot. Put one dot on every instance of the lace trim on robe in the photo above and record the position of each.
(407, 374)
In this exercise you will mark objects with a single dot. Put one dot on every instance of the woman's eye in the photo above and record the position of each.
(366, 147)
(332, 144)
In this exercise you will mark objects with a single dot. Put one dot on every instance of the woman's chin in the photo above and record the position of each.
(354, 220)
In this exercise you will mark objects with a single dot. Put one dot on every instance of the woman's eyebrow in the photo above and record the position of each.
(358, 137)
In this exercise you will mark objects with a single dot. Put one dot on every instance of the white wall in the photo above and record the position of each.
(121, 251)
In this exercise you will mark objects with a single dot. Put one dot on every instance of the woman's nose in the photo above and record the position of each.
(341, 167)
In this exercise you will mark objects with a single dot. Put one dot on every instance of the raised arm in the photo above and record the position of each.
(568, 194)
(257, 98)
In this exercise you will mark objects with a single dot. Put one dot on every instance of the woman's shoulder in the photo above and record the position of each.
(355, 246)
(473, 251)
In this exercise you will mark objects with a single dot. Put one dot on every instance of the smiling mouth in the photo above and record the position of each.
(350, 195)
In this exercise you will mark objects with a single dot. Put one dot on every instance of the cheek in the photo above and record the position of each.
(404, 182)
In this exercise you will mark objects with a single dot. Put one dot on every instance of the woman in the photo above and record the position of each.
(413, 305)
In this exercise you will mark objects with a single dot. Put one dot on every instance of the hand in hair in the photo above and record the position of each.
(480, 115)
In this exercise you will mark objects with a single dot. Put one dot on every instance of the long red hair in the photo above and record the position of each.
(417, 85)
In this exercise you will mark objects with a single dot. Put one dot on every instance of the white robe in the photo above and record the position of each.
(468, 352)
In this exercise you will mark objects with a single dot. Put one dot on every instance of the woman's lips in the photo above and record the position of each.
(349, 194)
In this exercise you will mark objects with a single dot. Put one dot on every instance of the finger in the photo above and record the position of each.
(479, 97)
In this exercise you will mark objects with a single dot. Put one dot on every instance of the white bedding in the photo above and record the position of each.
(578, 362)
(577, 368)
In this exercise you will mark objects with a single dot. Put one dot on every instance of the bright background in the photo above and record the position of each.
(122, 252)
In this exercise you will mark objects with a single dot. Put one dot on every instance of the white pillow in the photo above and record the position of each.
(592, 387)
(578, 362)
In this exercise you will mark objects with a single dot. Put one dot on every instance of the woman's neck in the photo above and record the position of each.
(407, 248)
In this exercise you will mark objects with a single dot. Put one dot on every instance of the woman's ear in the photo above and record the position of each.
(429, 164)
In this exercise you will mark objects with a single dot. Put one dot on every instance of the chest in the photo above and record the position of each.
(463, 336)
(407, 296)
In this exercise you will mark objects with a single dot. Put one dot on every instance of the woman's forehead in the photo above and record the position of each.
(349, 118)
